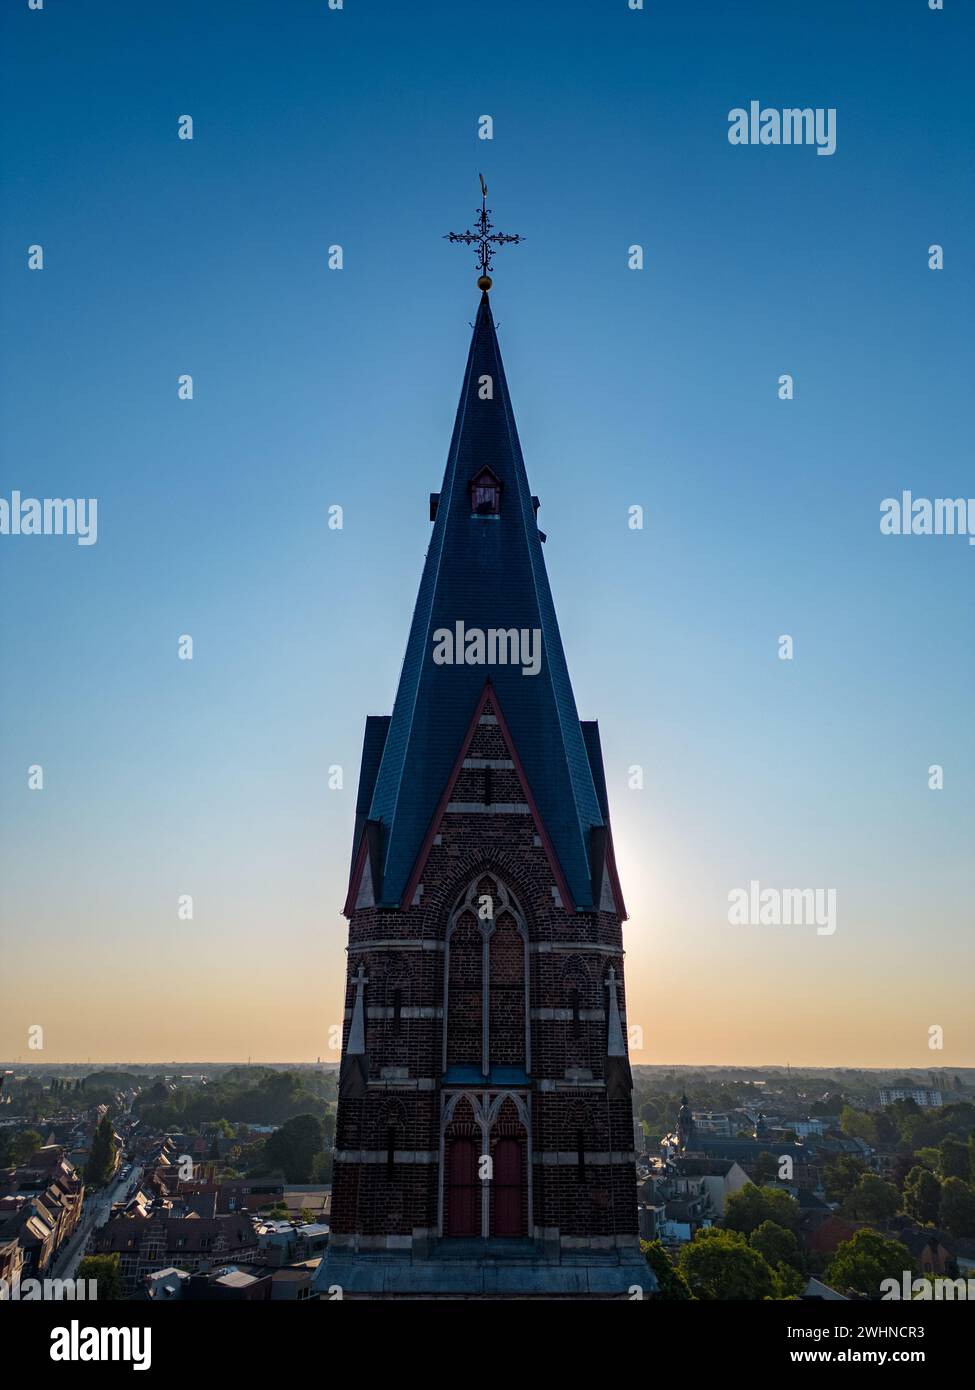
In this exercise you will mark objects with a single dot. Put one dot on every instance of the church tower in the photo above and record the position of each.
(685, 1126)
(484, 1138)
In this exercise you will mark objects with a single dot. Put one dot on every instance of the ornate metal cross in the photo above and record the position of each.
(485, 238)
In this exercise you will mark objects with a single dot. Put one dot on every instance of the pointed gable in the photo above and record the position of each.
(484, 570)
(488, 777)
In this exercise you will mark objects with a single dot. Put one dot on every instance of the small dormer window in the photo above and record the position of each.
(486, 494)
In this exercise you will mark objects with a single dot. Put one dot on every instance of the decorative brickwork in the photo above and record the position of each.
(451, 1091)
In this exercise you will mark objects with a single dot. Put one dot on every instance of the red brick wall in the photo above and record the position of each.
(366, 1198)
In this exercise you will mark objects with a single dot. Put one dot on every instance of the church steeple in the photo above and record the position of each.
(484, 574)
(685, 1125)
(485, 1010)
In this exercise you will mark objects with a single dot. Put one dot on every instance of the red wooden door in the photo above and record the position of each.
(508, 1216)
(463, 1189)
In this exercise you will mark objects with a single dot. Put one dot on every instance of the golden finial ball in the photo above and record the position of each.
(484, 283)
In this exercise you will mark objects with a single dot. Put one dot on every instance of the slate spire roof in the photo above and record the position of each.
(488, 573)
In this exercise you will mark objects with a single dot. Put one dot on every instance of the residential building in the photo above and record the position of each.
(295, 1283)
(924, 1096)
(151, 1240)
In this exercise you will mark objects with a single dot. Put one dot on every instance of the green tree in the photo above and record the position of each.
(929, 1158)
(922, 1195)
(294, 1147)
(748, 1208)
(106, 1270)
(27, 1142)
(766, 1166)
(957, 1210)
(321, 1170)
(671, 1284)
(901, 1165)
(776, 1245)
(722, 1265)
(887, 1132)
(841, 1175)
(858, 1124)
(864, 1261)
(103, 1154)
(787, 1281)
(872, 1199)
(953, 1161)
(916, 1128)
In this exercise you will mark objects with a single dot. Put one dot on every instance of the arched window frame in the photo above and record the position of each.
(504, 902)
(485, 1114)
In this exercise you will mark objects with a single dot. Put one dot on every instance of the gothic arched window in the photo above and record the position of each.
(465, 963)
(575, 1013)
(462, 1186)
(509, 1182)
(507, 993)
(486, 1016)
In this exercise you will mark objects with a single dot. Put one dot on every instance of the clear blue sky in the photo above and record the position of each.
(359, 127)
